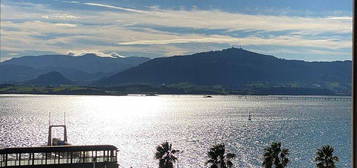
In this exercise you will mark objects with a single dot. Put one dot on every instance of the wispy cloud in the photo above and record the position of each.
(216, 19)
(97, 52)
(179, 41)
(65, 25)
(129, 30)
(347, 18)
(114, 7)
(281, 41)
(60, 17)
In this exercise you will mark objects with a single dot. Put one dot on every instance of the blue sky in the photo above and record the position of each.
(318, 30)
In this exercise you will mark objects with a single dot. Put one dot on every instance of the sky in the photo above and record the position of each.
(311, 30)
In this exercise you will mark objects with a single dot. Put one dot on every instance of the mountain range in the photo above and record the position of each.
(232, 68)
(236, 68)
(84, 68)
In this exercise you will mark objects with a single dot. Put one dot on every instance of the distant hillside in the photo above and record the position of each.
(237, 69)
(50, 79)
(77, 68)
(10, 73)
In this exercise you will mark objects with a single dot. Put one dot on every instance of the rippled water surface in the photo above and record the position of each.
(137, 124)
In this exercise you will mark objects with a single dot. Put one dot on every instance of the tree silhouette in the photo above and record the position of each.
(324, 157)
(275, 156)
(166, 155)
(218, 158)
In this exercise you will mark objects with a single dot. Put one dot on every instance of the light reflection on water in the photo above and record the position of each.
(136, 124)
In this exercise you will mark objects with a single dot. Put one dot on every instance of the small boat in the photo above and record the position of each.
(249, 117)
(150, 94)
(207, 96)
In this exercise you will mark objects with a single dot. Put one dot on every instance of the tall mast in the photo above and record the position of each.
(49, 118)
(49, 140)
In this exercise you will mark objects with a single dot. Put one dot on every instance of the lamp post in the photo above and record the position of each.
(178, 156)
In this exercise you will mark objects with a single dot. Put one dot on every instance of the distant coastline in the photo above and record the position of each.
(166, 90)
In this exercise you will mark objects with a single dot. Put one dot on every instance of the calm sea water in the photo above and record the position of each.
(137, 124)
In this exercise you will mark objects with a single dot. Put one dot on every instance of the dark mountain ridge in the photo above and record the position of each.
(90, 63)
(77, 68)
(235, 68)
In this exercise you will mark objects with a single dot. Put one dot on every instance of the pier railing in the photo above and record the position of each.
(60, 156)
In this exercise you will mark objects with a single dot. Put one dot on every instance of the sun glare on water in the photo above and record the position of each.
(121, 108)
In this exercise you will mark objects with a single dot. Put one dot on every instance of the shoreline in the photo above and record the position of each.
(149, 90)
(184, 94)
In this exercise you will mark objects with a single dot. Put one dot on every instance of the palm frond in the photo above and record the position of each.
(230, 155)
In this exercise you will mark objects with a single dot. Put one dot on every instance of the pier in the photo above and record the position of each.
(86, 156)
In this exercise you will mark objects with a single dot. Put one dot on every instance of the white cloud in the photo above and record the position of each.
(347, 18)
(125, 29)
(96, 52)
(74, 2)
(65, 25)
(115, 7)
(60, 17)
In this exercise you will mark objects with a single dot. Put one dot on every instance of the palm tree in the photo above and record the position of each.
(324, 157)
(218, 158)
(275, 156)
(166, 155)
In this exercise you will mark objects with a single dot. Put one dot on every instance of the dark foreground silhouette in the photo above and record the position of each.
(274, 156)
